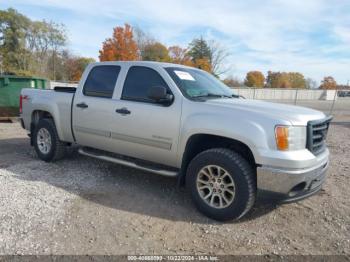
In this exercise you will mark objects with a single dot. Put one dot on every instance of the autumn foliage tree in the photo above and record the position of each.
(129, 43)
(297, 80)
(285, 80)
(155, 52)
(254, 79)
(204, 64)
(200, 54)
(328, 82)
(179, 55)
(75, 67)
(121, 46)
(232, 82)
(277, 80)
(208, 55)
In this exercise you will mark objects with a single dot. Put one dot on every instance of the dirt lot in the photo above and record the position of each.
(83, 206)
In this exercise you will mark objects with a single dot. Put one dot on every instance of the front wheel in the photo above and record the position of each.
(222, 184)
(46, 141)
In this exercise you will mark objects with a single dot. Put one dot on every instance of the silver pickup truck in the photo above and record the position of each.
(182, 122)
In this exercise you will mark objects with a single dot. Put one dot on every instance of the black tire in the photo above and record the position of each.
(58, 148)
(243, 176)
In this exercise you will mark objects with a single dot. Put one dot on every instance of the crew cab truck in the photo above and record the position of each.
(182, 122)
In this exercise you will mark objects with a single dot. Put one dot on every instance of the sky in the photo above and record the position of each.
(307, 36)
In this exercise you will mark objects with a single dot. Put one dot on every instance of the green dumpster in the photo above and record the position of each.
(10, 89)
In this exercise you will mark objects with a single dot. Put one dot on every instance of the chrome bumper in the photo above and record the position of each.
(291, 184)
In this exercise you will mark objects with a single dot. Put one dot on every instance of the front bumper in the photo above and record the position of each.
(291, 184)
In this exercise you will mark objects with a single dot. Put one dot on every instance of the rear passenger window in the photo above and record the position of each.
(138, 80)
(101, 81)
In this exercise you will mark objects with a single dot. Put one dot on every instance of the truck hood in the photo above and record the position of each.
(296, 115)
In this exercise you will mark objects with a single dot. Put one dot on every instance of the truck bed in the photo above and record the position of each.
(57, 102)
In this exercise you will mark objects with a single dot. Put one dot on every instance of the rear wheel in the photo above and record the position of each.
(46, 141)
(222, 184)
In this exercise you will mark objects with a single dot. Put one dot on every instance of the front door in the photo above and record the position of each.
(142, 128)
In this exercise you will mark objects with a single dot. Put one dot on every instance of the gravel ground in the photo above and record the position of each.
(83, 206)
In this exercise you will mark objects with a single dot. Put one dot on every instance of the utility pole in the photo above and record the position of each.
(334, 98)
(296, 96)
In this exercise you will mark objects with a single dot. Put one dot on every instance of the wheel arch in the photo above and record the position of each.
(36, 116)
(198, 143)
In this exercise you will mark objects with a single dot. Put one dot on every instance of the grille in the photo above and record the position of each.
(316, 135)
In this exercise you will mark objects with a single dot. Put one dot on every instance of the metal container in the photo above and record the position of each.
(10, 90)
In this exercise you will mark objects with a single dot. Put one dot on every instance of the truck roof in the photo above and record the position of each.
(140, 63)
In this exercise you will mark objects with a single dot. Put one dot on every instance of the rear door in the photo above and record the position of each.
(94, 107)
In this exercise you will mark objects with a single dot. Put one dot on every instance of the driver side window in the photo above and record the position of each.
(138, 82)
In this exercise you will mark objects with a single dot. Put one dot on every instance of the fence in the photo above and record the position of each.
(327, 101)
(285, 94)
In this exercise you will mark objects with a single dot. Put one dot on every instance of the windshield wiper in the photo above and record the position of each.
(212, 95)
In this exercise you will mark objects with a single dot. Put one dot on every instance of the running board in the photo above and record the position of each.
(128, 163)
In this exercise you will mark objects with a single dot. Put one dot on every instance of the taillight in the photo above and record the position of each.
(21, 98)
(20, 103)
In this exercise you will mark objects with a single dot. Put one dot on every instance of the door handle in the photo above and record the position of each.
(82, 105)
(123, 111)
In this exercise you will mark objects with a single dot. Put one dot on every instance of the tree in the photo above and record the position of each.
(75, 67)
(277, 80)
(296, 80)
(232, 82)
(328, 82)
(200, 54)
(199, 49)
(254, 79)
(26, 46)
(142, 39)
(285, 80)
(13, 30)
(155, 52)
(208, 52)
(69, 67)
(218, 56)
(179, 55)
(57, 38)
(310, 83)
(203, 63)
(39, 43)
(121, 46)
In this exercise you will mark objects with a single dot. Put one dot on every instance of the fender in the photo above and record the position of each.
(246, 131)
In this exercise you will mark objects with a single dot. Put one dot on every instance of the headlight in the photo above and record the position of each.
(290, 137)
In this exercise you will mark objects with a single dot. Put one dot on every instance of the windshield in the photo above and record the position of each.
(198, 84)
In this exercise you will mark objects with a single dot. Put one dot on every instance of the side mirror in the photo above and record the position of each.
(159, 95)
